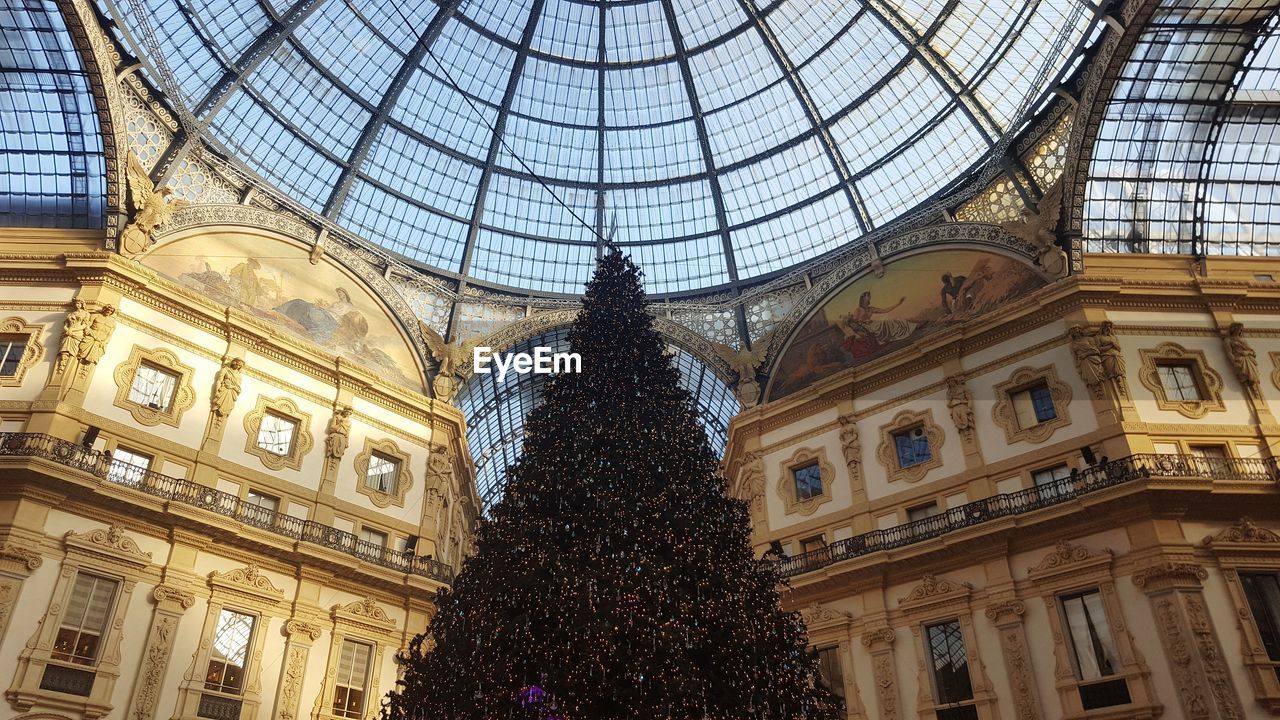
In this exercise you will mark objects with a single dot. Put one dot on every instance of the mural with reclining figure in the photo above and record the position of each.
(917, 295)
(275, 281)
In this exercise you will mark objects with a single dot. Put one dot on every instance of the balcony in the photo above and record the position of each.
(186, 492)
(1091, 480)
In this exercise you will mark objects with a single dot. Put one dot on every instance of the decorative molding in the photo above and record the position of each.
(247, 581)
(291, 683)
(403, 479)
(886, 688)
(109, 542)
(787, 485)
(31, 354)
(26, 557)
(887, 452)
(932, 587)
(364, 615)
(302, 440)
(880, 637)
(1207, 379)
(1017, 659)
(1066, 556)
(1006, 611)
(169, 593)
(1191, 689)
(1242, 532)
(155, 663)
(184, 396)
(820, 615)
(301, 628)
(1024, 378)
(1167, 575)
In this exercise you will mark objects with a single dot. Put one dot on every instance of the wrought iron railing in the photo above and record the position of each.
(1092, 479)
(187, 492)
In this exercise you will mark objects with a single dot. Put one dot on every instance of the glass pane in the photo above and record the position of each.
(1263, 593)
(1043, 403)
(227, 659)
(950, 663)
(830, 671)
(152, 387)
(10, 356)
(1090, 636)
(1179, 383)
(382, 473)
(808, 481)
(127, 468)
(275, 434)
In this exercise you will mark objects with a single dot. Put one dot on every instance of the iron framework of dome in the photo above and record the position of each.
(720, 142)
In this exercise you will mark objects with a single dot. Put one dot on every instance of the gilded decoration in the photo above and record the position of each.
(302, 439)
(184, 396)
(787, 490)
(874, 316)
(110, 542)
(150, 207)
(1207, 379)
(403, 478)
(887, 452)
(15, 328)
(1022, 379)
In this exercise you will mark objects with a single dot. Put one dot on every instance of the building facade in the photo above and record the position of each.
(207, 511)
(1064, 507)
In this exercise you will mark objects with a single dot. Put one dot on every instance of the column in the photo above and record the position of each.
(171, 602)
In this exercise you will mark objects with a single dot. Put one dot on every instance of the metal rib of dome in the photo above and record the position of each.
(725, 139)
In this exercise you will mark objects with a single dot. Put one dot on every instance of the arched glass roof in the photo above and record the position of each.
(720, 140)
(52, 172)
(496, 410)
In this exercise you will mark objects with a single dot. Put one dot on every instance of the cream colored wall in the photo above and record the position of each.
(35, 306)
(777, 467)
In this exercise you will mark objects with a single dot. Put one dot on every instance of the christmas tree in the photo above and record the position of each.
(615, 579)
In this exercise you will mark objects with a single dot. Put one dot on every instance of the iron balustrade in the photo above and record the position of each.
(1083, 482)
(99, 464)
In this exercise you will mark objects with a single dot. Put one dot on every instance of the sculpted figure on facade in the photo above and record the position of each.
(960, 403)
(850, 443)
(745, 363)
(1036, 227)
(1243, 358)
(151, 209)
(1112, 358)
(226, 388)
(1099, 360)
(73, 329)
(338, 433)
(94, 344)
(439, 472)
(450, 355)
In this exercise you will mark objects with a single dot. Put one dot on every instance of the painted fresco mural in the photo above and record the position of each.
(917, 295)
(276, 282)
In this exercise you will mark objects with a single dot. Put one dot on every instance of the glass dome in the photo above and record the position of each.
(719, 140)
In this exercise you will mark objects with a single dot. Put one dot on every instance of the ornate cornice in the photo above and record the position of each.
(1167, 575)
(932, 587)
(364, 614)
(110, 542)
(24, 556)
(246, 581)
(1008, 610)
(169, 593)
(1243, 532)
(1066, 556)
(302, 628)
(817, 614)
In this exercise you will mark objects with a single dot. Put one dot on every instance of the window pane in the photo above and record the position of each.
(382, 473)
(1090, 636)
(11, 351)
(262, 500)
(1042, 401)
(950, 663)
(85, 620)
(1263, 593)
(275, 434)
(152, 387)
(830, 671)
(127, 468)
(912, 446)
(922, 511)
(228, 658)
(352, 676)
(808, 481)
(1179, 382)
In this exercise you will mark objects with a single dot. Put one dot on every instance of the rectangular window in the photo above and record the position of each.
(808, 481)
(912, 446)
(228, 659)
(1033, 405)
(830, 671)
(128, 467)
(11, 351)
(1179, 382)
(85, 621)
(153, 387)
(260, 507)
(1052, 482)
(373, 537)
(276, 432)
(813, 544)
(382, 473)
(352, 679)
(949, 664)
(920, 512)
(1262, 590)
(1091, 646)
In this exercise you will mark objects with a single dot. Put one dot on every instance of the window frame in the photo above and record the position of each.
(338, 686)
(301, 442)
(118, 461)
(887, 451)
(222, 688)
(104, 632)
(1024, 379)
(163, 361)
(17, 328)
(389, 449)
(1208, 380)
(787, 487)
(1245, 548)
(274, 422)
(169, 387)
(808, 491)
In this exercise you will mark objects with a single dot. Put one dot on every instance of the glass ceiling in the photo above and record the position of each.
(722, 140)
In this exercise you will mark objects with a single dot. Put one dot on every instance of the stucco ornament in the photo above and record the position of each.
(151, 206)
(1036, 228)
(226, 388)
(338, 433)
(452, 356)
(745, 363)
(94, 343)
(1243, 358)
(73, 329)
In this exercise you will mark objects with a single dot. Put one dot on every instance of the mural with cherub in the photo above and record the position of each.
(917, 295)
(275, 281)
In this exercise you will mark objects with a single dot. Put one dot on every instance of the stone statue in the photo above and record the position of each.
(151, 209)
(226, 388)
(451, 356)
(850, 443)
(439, 470)
(94, 344)
(1088, 359)
(1036, 228)
(960, 403)
(1112, 358)
(745, 363)
(1243, 358)
(73, 329)
(338, 433)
